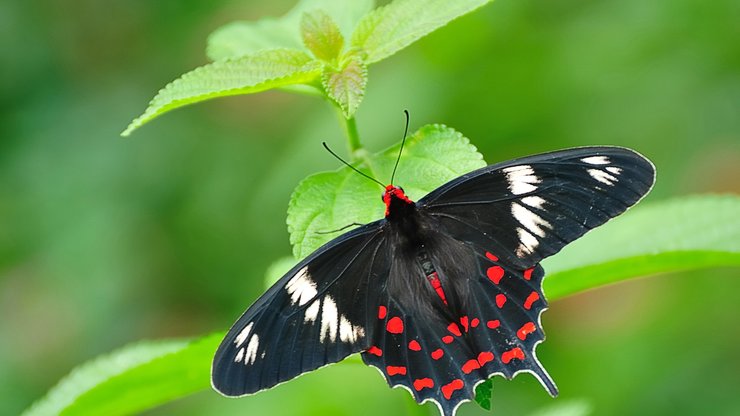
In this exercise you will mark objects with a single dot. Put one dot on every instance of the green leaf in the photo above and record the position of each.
(388, 29)
(249, 74)
(328, 201)
(321, 35)
(246, 38)
(346, 86)
(483, 394)
(680, 234)
(277, 269)
(76, 393)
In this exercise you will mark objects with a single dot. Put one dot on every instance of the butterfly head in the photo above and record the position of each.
(394, 198)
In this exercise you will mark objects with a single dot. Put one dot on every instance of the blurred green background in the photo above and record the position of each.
(104, 241)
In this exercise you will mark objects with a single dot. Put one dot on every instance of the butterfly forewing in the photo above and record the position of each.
(530, 208)
(315, 315)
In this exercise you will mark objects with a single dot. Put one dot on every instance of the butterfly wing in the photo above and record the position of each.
(315, 315)
(527, 209)
(439, 347)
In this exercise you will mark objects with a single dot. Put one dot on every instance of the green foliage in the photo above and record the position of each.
(254, 57)
(329, 201)
(483, 392)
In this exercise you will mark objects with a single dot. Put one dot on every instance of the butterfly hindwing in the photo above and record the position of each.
(315, 315)
(439, 344)
(527, 209)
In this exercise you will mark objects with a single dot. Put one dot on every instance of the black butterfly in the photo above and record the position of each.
(443, 293)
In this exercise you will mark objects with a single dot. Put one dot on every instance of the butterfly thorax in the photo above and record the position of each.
(397, 205)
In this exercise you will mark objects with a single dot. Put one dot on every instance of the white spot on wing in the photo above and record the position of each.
(528, 242)
(531, 221)
(522, 179)
(301, 288)
(329, 320)
(596, 160)
(251, 354)
(534, 201)
(239, 355)
(348, 332)
(602, 176)
(613, 169)
(312, 312)
(243, 335)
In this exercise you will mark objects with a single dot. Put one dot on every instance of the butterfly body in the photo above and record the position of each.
(442, 293)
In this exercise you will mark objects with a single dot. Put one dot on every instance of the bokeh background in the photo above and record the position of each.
(105, 241)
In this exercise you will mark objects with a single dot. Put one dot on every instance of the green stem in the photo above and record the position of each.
(353, 137)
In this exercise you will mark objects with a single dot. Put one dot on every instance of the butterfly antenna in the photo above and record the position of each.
(403, 141)
(350, 166)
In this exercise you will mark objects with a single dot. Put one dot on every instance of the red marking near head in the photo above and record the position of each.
(495, 273)
(391, 192)
(491, 256)
(382, 311)
(532, 298)
(525, 330)
(507, 356)
(447, 339)
(395, 370)
(423, 383)
(454, 329)
(438, 353)
(394, 325)
(528, 273)
(375, 351)
(500, 300)
(474, 323)
(493, 324)
(414, 346)
(470, 366)
(485, 357)
(450, 388)
(464, 323)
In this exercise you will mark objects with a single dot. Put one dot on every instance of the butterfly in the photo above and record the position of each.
(443, 293)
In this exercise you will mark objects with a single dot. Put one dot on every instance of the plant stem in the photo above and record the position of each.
(353, 137)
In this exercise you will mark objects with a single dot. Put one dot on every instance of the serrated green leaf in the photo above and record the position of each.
(346, 86)
(87, 378)
(246, 38)
(249, 74)
(483, 394)
(388, 29)
(321, 35)
(331, 200)
(680, 234)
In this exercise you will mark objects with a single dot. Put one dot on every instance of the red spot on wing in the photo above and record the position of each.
(382, 311)
(464, 322)
(393, 370)
(414, 346)
(474, 323)
(394, 325)
(491, 256)
(437, 286)
(525, 330)
(447, 339)
(507, 356)
(532, 298)
(454, 329)
(495, 273)
(438, 353)
(485, 357)
(423, 383)
(470, 366)
(493, 324)
(450, 387)
(500, 300)
(528, 273)
(375, 351)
